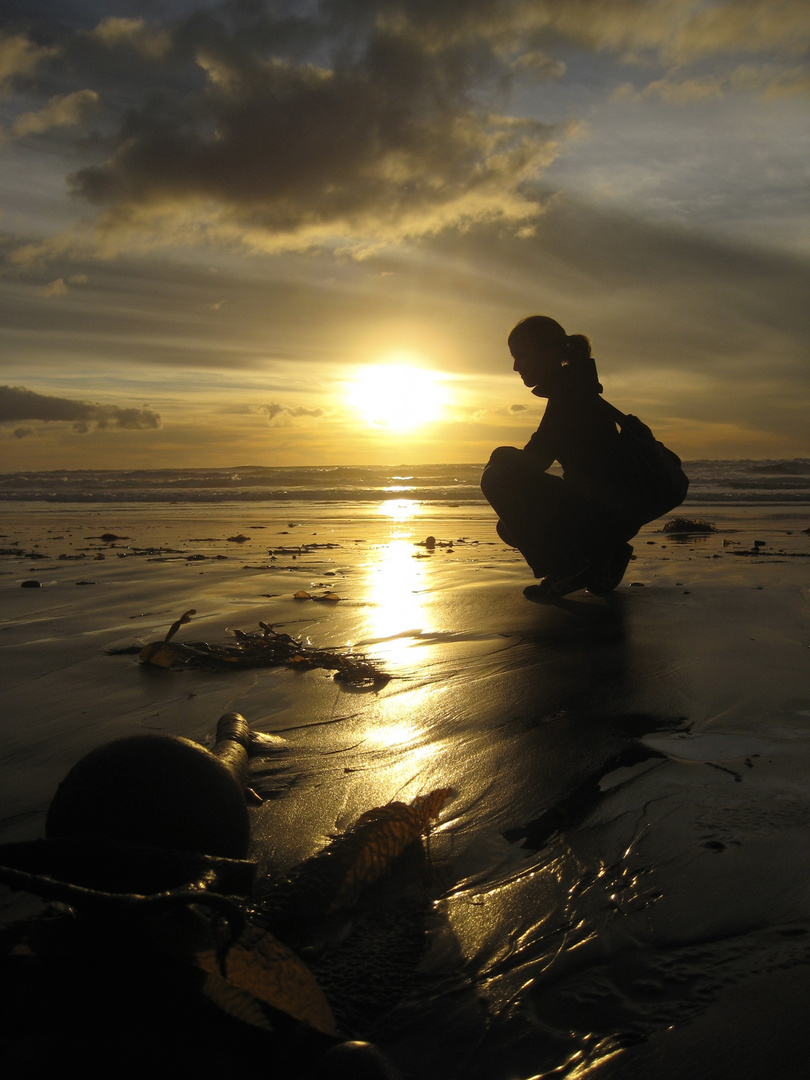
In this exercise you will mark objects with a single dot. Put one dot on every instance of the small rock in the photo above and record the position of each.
(31, 583)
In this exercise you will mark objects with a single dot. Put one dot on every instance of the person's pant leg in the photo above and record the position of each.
(539, 514)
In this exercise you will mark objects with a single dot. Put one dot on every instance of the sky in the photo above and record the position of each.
(298, 232)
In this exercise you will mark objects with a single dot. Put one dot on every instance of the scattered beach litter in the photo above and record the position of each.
(264, 648)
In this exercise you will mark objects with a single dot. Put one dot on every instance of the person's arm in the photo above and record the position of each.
(539, 446)
(543, 444)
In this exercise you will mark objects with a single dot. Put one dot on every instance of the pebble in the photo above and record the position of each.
(31, 583)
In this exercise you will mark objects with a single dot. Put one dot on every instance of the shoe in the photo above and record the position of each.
(556, 586)
(608, 574)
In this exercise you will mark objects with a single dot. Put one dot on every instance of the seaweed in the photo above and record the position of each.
(684, 525)
(264, 648)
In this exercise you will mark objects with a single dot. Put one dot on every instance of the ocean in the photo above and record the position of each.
(733, 483)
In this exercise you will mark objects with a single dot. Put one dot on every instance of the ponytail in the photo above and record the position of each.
(577, 348)
(569, 350)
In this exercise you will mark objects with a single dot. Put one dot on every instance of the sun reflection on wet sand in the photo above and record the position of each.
(394, 734)
(395, 585)
(400, 737)
(394, 593)
(397, 738)
(400, 509)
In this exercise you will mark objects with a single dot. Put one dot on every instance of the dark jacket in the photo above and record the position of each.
(578, 431)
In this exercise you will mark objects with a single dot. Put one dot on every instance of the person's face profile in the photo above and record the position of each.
(533, 364)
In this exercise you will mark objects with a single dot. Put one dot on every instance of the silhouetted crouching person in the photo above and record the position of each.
(573, 531)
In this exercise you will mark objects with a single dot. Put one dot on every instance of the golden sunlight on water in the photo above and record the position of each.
(404, 735)
(394, 589)
(399, 509)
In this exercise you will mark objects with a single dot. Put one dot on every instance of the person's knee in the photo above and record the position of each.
(505, 455)
(502, 461)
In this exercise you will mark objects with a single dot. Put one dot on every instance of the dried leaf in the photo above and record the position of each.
(260, 965)
(235, 1002)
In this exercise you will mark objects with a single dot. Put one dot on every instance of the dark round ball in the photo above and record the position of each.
(355, 1061)
(153, 789)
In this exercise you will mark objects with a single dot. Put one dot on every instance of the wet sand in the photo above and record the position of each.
(621, 878)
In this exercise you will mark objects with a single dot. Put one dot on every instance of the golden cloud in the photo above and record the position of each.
(60, 111)
(20, 56)
(152, 43)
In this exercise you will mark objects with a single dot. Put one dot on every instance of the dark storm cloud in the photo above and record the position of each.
(17, 403)
(293, 125)
(385, 141)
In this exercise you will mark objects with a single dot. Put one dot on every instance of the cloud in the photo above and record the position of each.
(377, 141)
(19, 56)
(55, 288)
(539, 65)
(66, 110)
(277, 415)
(281, 413)
(60, 287)
(19, 404)
(768, 81)
(152, 42)
(680, 31)
(351, 126)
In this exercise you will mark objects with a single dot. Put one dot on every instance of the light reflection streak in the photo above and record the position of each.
(401, 737)
(400, 509)
(394, 589)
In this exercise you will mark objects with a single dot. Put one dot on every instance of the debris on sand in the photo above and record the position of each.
(108, 537)
(684, 525)
(431, 543)
(265, 648)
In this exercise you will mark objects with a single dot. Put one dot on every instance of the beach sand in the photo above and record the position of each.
(620, 883)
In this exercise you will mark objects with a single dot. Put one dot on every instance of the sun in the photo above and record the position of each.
(397, 396)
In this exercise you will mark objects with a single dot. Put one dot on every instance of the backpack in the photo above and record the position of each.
(656, 482)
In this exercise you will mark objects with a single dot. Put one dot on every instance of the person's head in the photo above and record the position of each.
(540, 347)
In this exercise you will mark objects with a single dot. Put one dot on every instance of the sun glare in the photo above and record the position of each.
(397, 396)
